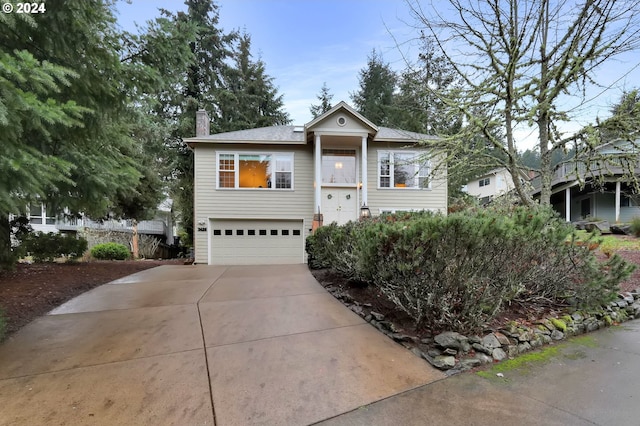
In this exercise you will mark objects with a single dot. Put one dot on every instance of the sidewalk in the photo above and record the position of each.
(595, 380)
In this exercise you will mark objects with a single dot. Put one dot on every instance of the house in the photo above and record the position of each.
(43, 218)
(490, 184)
(260, 192)
(597, 190)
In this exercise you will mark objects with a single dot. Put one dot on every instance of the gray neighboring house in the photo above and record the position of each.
(259, 193)
(614, 200)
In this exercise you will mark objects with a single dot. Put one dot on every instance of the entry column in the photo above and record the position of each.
(364, 171)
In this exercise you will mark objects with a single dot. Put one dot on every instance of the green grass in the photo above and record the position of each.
(611, 243)
(523, 363)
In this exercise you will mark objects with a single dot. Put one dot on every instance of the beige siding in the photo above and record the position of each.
(434, 198)
(249, 203)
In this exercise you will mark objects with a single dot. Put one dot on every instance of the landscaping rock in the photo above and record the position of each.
(469, 363)
(434, 352)
(483, 358)
(577, 317)
(498, 354)
(490, 341)
(450, 351)
(620, 229)
(479, 348)
(557, 335)
(504, 341)
(378, 316)
(636, 310)
(524, 347)
(602, 226)
(449, 339)
(444, 362)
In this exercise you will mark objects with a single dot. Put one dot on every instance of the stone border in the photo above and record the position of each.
(454, 352)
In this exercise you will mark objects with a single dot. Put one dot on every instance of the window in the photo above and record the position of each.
(42, 214)
(339, 166)
(485, 182)
(625, 201)
(255, 170)
(403, 170)
(35, 214)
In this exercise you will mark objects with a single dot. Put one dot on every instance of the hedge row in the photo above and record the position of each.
(457, 272)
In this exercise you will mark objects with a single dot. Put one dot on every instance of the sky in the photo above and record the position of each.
(305, 43)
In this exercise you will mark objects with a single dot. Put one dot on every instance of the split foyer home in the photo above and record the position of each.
(258, 193)
(601, 190)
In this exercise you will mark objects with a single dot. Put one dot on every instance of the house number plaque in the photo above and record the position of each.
(202, 229)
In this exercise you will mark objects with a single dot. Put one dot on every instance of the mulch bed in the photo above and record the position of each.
(32, 290)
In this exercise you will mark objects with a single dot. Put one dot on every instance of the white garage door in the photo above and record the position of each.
(256, 242)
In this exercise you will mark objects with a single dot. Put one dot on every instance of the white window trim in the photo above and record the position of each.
(391, 186)
(236, 166)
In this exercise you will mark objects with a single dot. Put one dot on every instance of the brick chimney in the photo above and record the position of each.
(202, 123)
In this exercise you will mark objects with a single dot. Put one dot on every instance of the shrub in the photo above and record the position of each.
(458, 271)
(46, 247)
(635, 226)
(110, 251)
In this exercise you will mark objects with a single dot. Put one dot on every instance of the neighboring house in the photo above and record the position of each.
(260, 192)
(613, 200)
(42, 218)
(489, 185)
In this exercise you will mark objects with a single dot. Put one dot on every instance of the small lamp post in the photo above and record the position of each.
(365, 213)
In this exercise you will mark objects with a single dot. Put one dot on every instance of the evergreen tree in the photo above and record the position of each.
(325, 102)
(250, 99)
(67, 129)
(419, 105)
(375, 97)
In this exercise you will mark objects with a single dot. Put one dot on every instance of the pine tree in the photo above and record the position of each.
(375, 97)
(325, 102)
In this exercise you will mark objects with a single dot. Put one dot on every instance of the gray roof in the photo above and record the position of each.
(267, 134)
(389, 134)
(295, 135)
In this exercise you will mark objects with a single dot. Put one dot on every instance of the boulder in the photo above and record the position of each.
(602, 226)
(621, 229)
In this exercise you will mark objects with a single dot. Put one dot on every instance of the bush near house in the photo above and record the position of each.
(110, 251)
(46, 247)
(458, 271)
(635, 226)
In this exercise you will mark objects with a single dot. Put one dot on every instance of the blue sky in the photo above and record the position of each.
(303, 42)
(307, 42)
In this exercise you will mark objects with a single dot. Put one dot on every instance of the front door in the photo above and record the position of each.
(339, 205)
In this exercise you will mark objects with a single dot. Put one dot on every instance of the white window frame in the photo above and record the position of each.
(236, 169)
(484, 182)
(357, 167)
(419, 166)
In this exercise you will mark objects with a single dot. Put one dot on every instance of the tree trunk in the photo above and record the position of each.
(543, 118)
(6, 256)
(134, 239)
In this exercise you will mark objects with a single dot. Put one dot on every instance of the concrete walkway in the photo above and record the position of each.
(593, 380)
(194, 345)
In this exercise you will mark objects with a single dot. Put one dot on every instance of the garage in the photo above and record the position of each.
(256, 242)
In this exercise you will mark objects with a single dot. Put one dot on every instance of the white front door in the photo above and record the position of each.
(339, 205)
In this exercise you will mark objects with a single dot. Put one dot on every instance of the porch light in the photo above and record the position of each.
(365, 212)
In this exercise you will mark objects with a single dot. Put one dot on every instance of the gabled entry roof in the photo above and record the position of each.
(345, 111)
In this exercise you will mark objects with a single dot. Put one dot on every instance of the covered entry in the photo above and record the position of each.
(256, 242)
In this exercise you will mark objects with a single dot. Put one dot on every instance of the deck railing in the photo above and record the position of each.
(156, 227)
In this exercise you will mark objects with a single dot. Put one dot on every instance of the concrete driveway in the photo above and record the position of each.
(201, 345)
